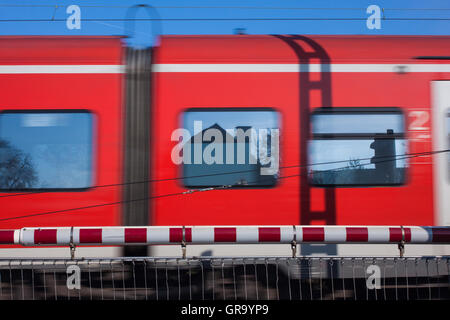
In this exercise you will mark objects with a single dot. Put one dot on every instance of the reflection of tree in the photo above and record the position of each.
(356, 172)
(354, 164)
(16, 168)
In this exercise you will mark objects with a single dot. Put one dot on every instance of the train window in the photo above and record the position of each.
(236, 147)
(45, 150)
(357, 147)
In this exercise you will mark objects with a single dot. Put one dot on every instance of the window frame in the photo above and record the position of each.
(358, 136)
(181, 181)
(92, 134)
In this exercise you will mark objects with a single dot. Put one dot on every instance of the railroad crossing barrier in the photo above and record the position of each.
(212, 278)
(184, 235)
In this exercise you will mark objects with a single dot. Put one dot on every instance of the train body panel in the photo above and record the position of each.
(44, 78)
(262, 71)
(290, 82)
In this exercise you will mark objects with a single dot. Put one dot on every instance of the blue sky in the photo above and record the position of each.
(230, 120)
(431, 17)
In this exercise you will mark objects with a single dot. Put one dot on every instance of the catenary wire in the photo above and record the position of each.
(188, 192)
(226, 173)
(218, 7)
(224, 19)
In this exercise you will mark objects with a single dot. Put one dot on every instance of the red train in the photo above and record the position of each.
(350, 130)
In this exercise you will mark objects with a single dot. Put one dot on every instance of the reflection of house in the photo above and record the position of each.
(224, 172)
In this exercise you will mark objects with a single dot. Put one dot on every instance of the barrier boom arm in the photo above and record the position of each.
(158, 235)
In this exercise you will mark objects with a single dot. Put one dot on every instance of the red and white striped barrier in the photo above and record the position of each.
(156, 235)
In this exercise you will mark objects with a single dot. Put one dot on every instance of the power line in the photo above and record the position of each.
(234, 172)
(114, 203)
(221, 19)
(191, 191)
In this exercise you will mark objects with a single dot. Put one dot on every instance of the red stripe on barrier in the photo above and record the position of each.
(90, 235)
(6, 236)
(224, 234)
(188, 234)
(135, 235)
(269, 234)
(395, 234)
(47, 236)
(441, 235)
(407, 234)
(357, 234)
(313, 234)
(176, 234)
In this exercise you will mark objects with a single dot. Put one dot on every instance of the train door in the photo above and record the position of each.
(440, 91)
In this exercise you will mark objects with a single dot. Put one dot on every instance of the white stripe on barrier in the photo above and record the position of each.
(63, 235)
(287, 234)
(421, 234)
(338, 234)
(76, 235)
(202, 234)
(378, 234)
(27, 237)
(247, 234)
(113, 235)
(158, 235)
(17, 236)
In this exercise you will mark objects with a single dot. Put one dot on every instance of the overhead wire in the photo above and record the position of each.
(223, 19)
(31, 192)
(191, 191)
(34, 5)
(274, 8)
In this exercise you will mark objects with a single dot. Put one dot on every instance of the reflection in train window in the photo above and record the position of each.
(45, 150)
(236, 147)
(357, 146)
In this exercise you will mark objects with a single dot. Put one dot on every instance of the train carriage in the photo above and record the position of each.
(356, 132)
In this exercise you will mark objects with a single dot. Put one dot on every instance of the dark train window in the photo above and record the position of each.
(357, 147)
(45, 150)
(236, 147)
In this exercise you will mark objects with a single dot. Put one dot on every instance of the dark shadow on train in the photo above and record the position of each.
(309, 51)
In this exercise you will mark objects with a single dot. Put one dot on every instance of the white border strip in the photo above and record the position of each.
(183, 68)
(301, 67)
(57, 69)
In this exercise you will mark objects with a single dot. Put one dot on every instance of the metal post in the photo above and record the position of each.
(183, 244)
(72, 245)
(294, 243)
(401, 245)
